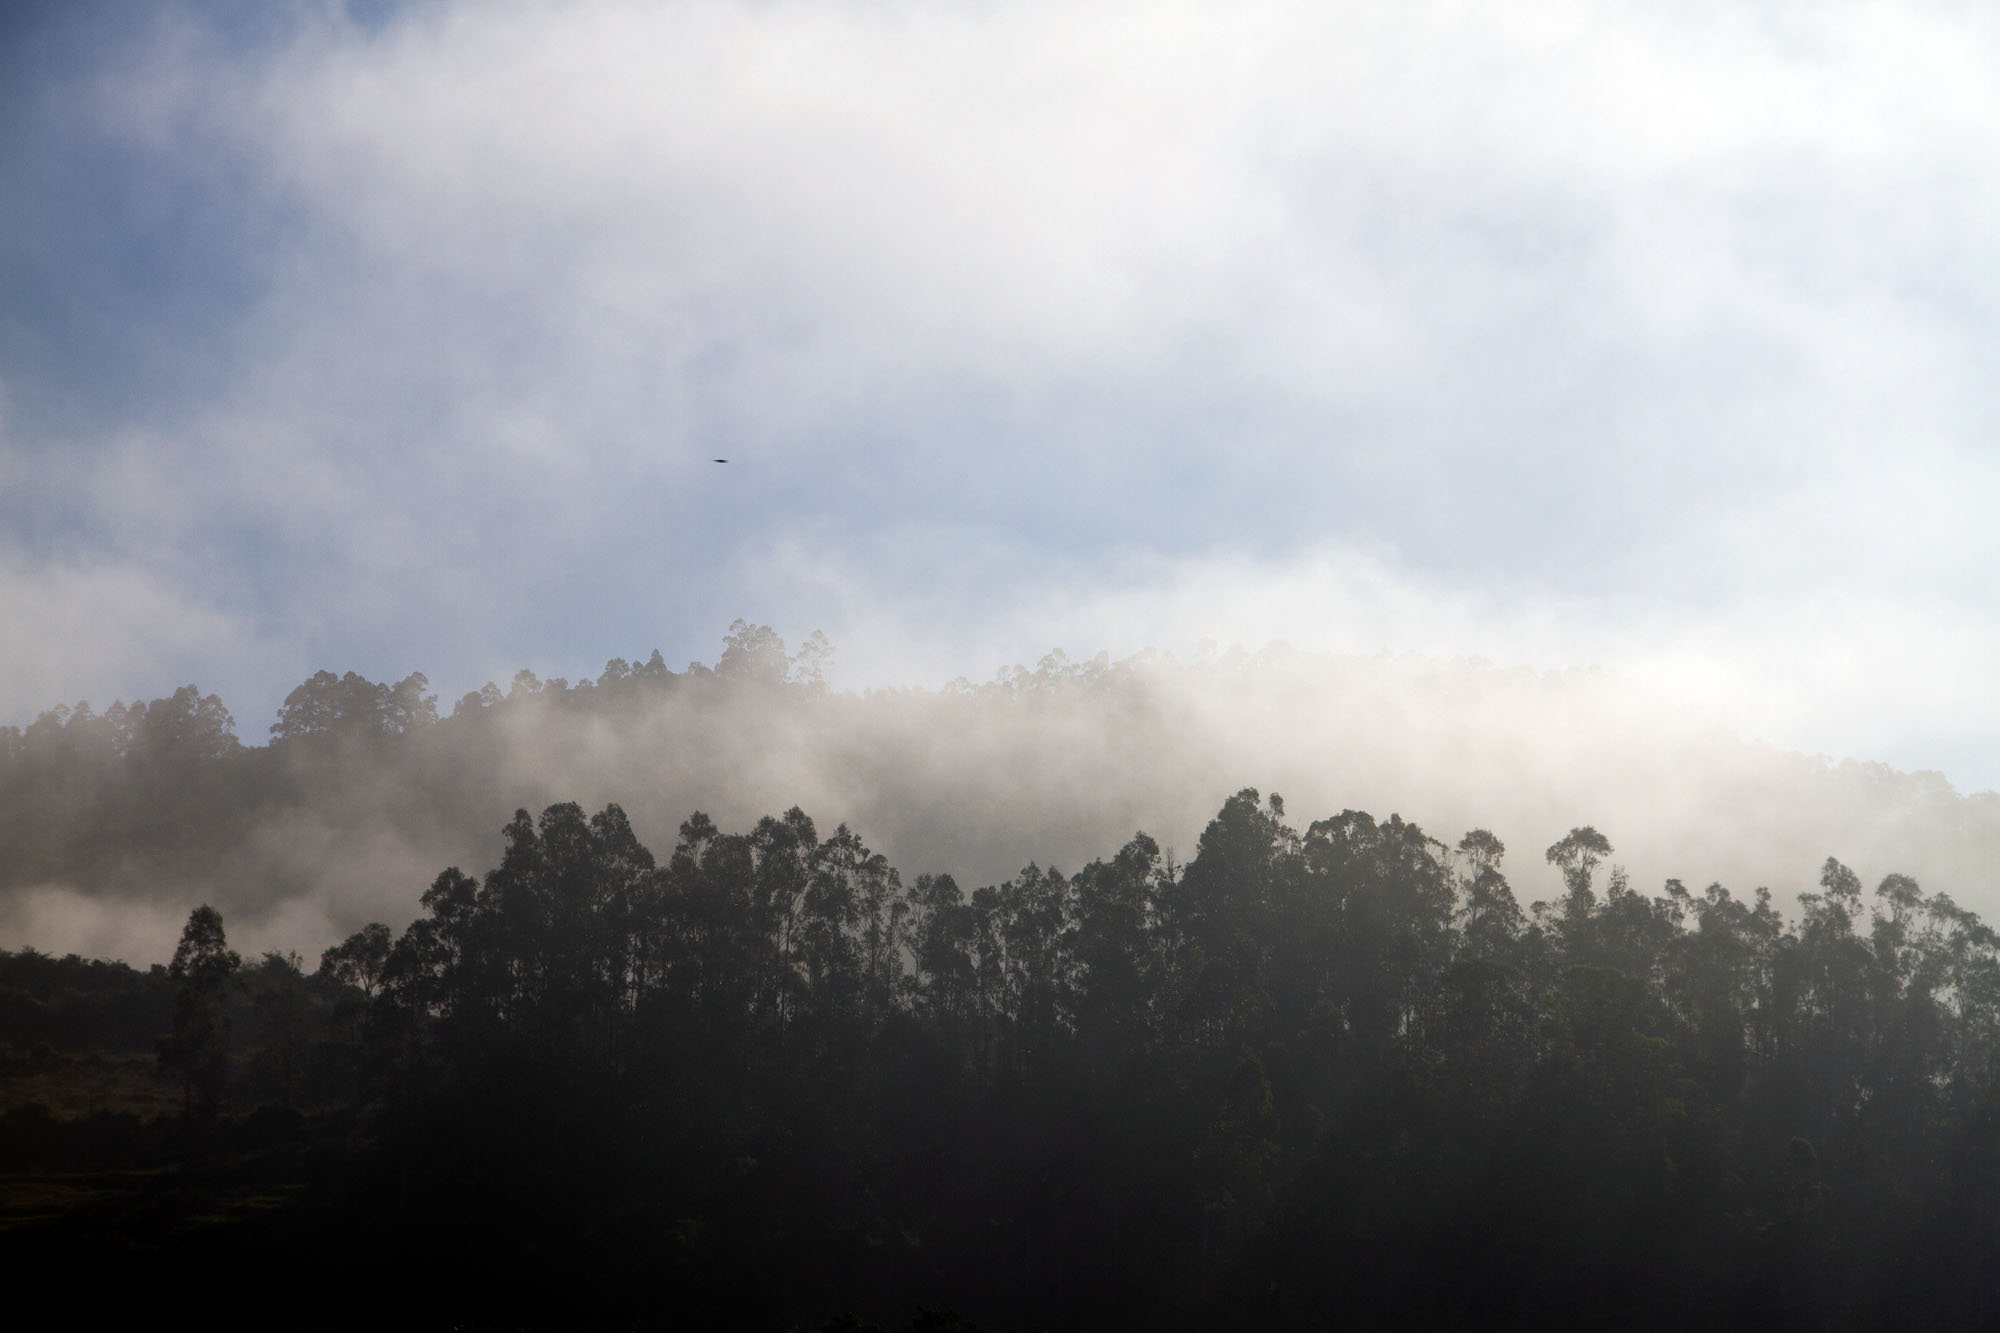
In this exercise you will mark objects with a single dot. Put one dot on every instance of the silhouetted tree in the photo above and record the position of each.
(198, 1048)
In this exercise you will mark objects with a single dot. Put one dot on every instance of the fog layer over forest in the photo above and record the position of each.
(114, 824)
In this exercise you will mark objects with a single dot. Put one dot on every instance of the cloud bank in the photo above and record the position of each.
(1575, 335)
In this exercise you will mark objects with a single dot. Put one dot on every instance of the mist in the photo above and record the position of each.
(1057, 765)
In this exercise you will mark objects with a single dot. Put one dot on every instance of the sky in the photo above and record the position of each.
(398, 337)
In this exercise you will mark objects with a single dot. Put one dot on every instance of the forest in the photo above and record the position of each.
(1330, 1073)
(1310, 1077)
(115, 821)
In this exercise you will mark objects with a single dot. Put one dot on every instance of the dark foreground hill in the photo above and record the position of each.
(1325, 1077)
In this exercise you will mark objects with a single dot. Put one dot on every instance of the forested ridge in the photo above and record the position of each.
(360, 784)
(1304, 1076)
(115, 822)
(1335, 1075)
(167, 787)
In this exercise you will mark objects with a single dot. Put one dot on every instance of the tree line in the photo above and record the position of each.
(1318, 1076)
(115, 798)
(364, 784)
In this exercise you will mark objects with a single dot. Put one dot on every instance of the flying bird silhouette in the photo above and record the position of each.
(722, 460)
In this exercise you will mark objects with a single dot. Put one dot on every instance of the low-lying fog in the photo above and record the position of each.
(1056, 765)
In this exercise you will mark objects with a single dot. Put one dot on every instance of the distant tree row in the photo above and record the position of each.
(86, 796)
(189, 725)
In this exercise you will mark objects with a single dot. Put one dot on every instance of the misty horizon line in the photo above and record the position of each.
(751, 652)
(114, 829)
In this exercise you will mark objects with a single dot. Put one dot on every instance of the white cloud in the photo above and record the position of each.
(1871, 671)
(101, 631)
(1566, 333)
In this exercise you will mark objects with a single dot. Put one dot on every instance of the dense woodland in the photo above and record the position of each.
(305, 826)
(168, 785)
(1330, 1076)
(136, 802)
(1302, 1077)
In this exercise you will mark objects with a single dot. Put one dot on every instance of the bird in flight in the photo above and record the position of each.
(722, 460)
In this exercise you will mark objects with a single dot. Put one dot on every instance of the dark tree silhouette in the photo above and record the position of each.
(197, 1050)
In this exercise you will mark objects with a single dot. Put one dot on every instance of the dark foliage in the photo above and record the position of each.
(74, 1003)
(1335, 1076)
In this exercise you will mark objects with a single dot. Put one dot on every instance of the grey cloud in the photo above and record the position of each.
(1589, 331)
